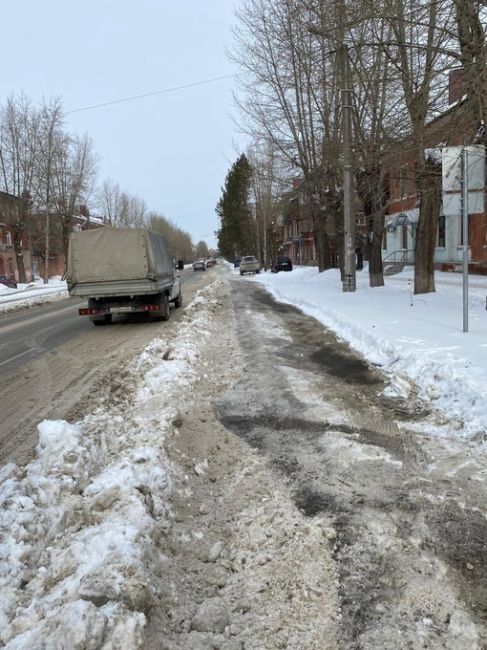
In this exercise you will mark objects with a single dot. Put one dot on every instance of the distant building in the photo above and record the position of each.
(9, 204)
(33, 239)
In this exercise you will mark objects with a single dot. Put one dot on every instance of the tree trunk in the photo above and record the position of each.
(47, 252)
(320, 249)
(473, 49)
(376, 272)
(370, 188)
(19, 252)
(429, 184)
(322, 243)
(67, 227)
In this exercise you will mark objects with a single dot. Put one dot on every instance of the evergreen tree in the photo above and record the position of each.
(236, 235)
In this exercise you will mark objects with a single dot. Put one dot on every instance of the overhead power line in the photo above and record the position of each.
(152, 94)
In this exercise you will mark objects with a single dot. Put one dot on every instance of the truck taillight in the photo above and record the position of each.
(90, 311)
(151, 307)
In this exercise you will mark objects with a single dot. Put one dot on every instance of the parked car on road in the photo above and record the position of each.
(236, 262)
(281, 264)
(8, 282)
(249, 264)
(199, 265)
(209, 263)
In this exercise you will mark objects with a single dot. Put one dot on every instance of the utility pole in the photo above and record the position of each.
(47, 250)
(465, 235)
(349, 270)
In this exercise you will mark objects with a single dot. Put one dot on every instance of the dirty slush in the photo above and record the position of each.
(280, 501)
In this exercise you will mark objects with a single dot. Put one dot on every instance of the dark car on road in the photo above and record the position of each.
(8, 282)
(281, 264)
(236, 263)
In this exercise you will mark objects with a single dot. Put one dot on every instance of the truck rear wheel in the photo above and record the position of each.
(179, 300)
(165, 308)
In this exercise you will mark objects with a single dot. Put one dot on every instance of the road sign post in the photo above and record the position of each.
(465, 235)
(463, 180)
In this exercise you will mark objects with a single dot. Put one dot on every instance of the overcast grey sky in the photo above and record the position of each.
(173, 150)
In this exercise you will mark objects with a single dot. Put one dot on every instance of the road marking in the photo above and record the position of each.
(21, 354)
(8, 328)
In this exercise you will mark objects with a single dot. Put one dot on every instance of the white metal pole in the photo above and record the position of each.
(465, 235)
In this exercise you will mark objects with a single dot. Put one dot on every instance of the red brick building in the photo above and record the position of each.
(33, 240)
(295, 230)
(451, 128)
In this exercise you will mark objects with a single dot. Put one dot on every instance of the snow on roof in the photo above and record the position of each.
(403, 218)
(433, 154)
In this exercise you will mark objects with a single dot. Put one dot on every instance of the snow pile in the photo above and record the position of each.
(79, 527)
(417, 340)
(32, 293)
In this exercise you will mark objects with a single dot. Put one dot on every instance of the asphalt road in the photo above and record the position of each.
(26, 334)
(53, 363)
(29, 333)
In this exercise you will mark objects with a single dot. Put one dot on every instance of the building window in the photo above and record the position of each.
(441, 232)
(8, 238)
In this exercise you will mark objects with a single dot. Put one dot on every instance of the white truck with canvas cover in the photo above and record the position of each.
(120, 271)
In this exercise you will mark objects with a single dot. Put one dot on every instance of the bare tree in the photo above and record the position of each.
(377, 117)
(132, 212)
(421, 33)
(108, 201)
(120, 208)
(267, 184)
(398, 53)
(49, 138)
(289, 87)
(201, 249)
(19, 126)
(75, 175)
(179, 242)
(471, 20)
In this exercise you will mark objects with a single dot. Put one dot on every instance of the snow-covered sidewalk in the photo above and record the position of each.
(33, 293)
(416, 338)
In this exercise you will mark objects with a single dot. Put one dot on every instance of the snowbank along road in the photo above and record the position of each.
(244, 482)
